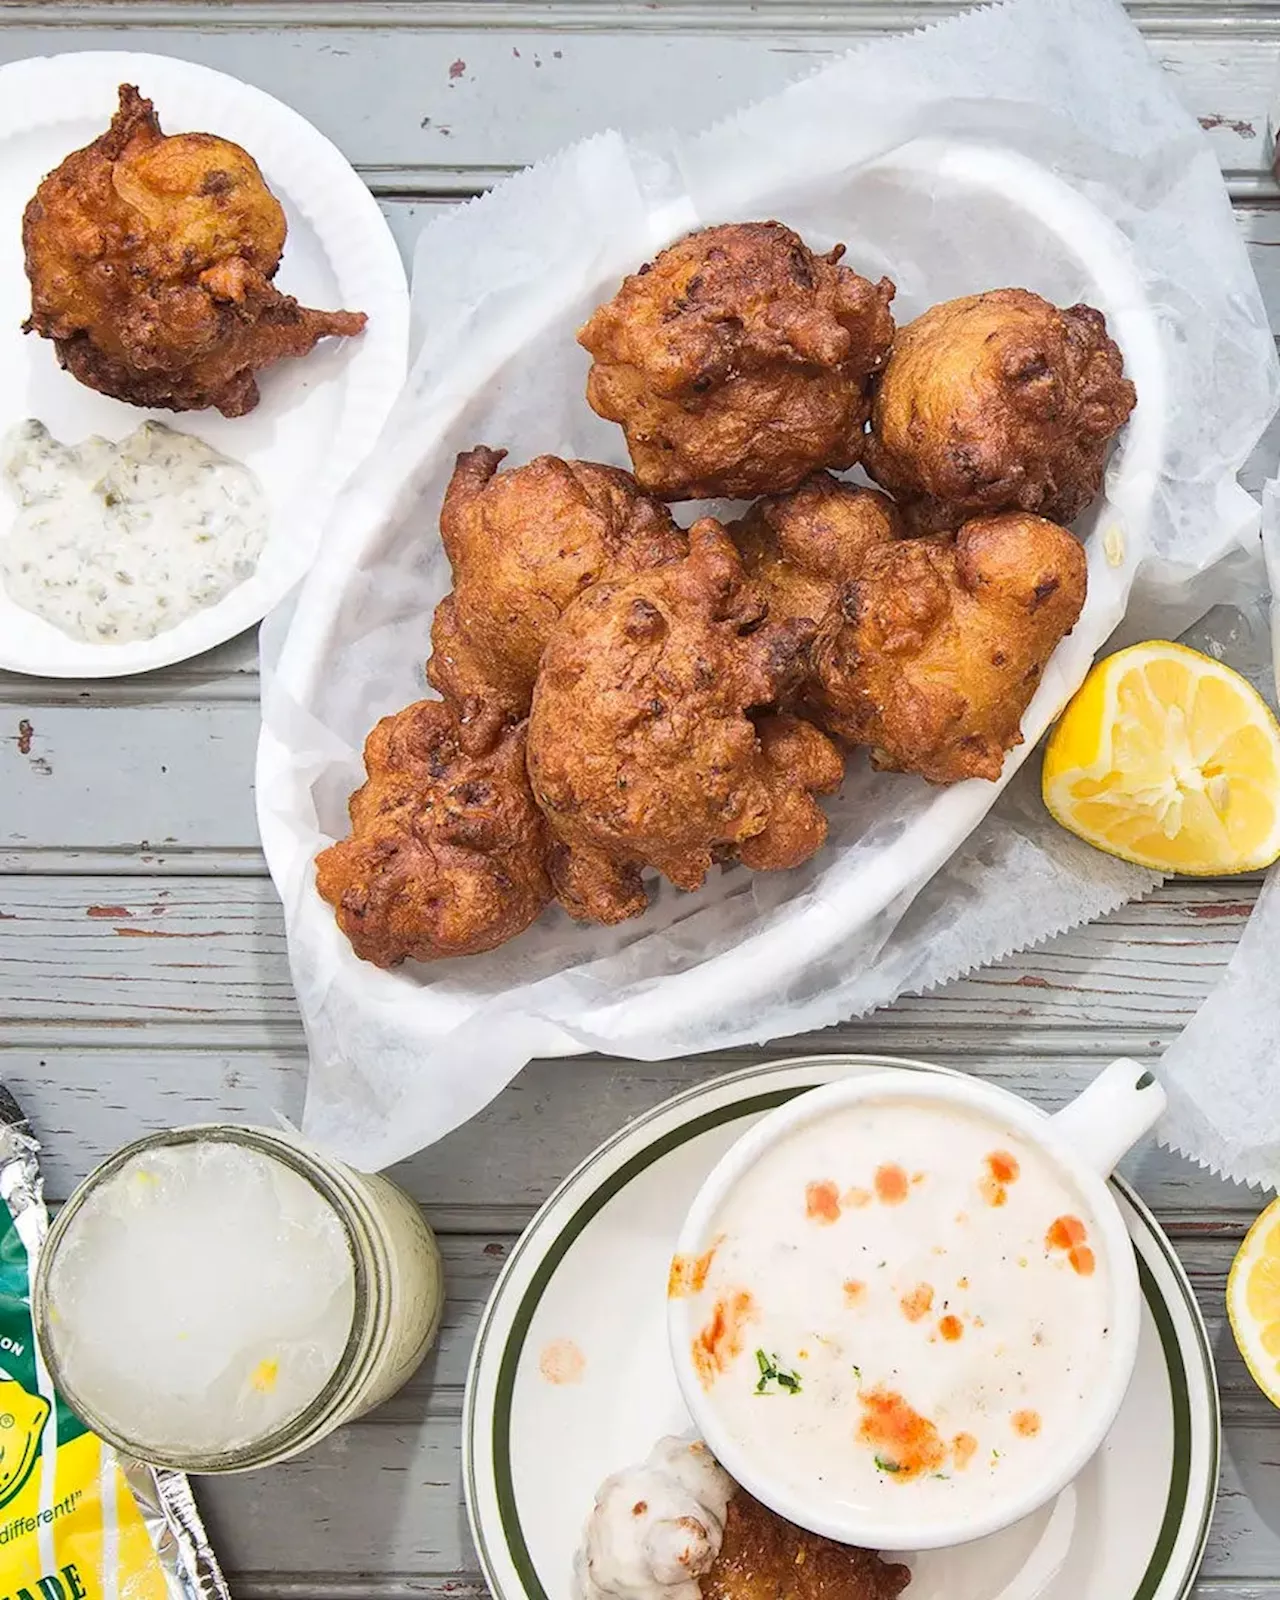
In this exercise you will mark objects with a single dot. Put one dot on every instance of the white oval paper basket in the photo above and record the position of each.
(703, 970)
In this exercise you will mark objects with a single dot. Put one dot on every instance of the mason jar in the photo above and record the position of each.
(397, 1296)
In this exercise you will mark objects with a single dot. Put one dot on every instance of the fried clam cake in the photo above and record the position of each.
(151, 260)
(738, 361)
(944, 641)
(643, 751)
(764, 1557)
(523, 544)
(677, 1527)
(997, 402)
(447, 852)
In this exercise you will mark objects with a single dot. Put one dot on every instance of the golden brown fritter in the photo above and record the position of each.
(738, 361)
(801, 548)
(799, 762)
(523, 544)
(944, 643)
(150, 261)
(764, 1557)
(447, 851)
(641, 751)
(997, 402)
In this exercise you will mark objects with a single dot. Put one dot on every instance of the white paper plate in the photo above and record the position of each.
(318, 416)
(592, 1268)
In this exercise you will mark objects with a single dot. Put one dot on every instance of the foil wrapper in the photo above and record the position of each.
(161, 1500)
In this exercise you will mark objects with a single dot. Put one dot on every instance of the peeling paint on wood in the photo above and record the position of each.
(1238, 126)
(505, 115)
(1230, 911)
(1141, 971)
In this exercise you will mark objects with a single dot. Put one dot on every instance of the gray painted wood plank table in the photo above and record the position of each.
(143, 979)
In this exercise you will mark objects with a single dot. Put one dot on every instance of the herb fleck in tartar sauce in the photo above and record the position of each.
(113, 543)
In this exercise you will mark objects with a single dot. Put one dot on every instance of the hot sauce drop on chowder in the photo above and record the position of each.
(900, 1309)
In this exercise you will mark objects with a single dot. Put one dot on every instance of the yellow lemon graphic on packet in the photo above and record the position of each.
(22, 1420)
(1169, 759)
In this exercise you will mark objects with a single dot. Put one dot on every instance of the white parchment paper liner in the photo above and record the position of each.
(500, 285)
(1222, 1072)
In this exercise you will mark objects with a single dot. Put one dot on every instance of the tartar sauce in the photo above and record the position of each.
(114, 543)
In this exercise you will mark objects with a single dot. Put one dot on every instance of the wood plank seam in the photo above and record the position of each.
(1251, 18)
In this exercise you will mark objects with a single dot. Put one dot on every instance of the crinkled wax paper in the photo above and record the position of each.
(1222, 1072)
(500, 286)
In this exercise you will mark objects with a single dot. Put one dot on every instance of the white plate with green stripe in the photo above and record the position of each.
(571, 1380)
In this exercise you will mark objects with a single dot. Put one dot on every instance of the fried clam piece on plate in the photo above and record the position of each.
(764, 1557)
(447, 851)
(522, 545)
(655, 1527)
(803, 547)
(150, 260)
(997, 402)
(738, 362)
(944, 643)
(642, 748)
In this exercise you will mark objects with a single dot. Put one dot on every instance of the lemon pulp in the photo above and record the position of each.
(1253, 1301)
(1169, 759)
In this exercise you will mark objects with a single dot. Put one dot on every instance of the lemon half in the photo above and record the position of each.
(1168, 759)
(1253, 1301)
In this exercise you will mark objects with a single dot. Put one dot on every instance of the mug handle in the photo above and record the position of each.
(1104, 1123)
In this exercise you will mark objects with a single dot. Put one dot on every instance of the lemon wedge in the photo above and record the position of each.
(1168, 759)
(1253, 1301)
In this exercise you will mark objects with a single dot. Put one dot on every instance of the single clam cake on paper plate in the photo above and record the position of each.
(181, 407)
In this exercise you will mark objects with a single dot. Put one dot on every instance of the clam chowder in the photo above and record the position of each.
(899, 1309)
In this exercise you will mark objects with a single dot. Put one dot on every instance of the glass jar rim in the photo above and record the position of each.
(305, 1164)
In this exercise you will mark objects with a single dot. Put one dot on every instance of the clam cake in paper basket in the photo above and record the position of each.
(693, 758)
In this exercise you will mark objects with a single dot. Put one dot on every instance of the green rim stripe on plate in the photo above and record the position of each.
(595, 1202)
(1154, 1233)
(504, 1485)
(1180, 1469)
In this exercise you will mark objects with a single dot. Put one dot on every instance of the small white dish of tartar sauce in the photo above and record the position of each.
(113, 543)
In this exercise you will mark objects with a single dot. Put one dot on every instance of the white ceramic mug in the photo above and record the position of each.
(1084, 1141)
